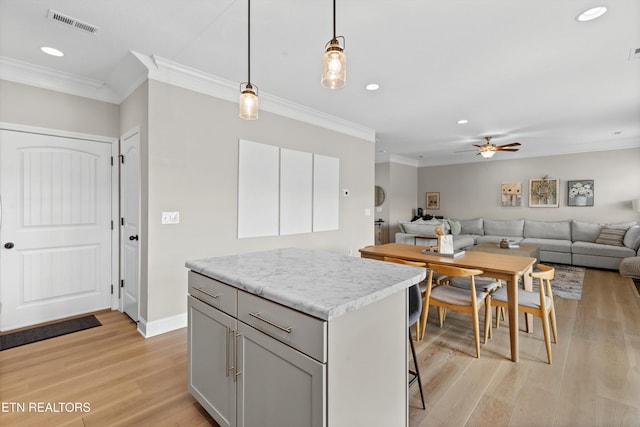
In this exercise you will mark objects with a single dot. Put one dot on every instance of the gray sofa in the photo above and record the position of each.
(564, 242)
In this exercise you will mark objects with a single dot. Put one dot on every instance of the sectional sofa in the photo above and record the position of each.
(564, 242)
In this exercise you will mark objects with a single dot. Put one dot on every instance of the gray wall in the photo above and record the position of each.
(31, 106)
(193, 169)
(473, 189)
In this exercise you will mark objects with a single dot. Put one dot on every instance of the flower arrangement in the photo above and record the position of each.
(579, 189)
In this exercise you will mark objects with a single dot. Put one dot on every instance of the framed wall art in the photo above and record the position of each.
(433, 200)
(543, 193)
(511, 195)
(580, 192)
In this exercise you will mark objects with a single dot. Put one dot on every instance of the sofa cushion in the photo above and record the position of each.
(461, 241)
(596, 249)
(632, 237)
(560, 230)
(506, 228)
(551, 245)
(585, 231)
(471, 226)
(611, 236)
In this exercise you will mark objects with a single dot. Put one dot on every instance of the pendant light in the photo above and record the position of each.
(334, 61)
(248, 92)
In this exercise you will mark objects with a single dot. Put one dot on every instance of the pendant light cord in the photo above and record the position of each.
(249, 41)
(334, 19)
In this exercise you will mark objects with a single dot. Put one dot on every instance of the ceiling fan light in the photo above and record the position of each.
(334, 66)
(248, 102)
(487, 154)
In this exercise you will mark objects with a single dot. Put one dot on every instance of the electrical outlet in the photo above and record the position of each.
(170, 217)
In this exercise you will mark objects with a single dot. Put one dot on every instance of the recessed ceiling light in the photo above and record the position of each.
(463, 121)
(372, 86)
(618, 132)
(591, 14)
(51, 51)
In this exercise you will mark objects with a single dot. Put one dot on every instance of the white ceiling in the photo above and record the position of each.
(523, 70)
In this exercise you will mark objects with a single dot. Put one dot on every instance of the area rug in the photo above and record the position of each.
(567, 281)
(40, 333)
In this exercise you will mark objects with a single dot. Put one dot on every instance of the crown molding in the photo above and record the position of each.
(167, 71)
(59, 81)
(399, 160)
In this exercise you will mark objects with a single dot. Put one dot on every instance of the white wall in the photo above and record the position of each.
(403, 187)
(473, 189)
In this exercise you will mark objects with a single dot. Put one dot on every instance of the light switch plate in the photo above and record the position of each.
(170, 217)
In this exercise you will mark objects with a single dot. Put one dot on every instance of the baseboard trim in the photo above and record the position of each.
(158, 327)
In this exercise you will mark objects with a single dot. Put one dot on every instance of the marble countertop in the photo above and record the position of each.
(321, 284)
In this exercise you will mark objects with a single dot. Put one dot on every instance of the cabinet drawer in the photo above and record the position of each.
(214, 293)
(300, 331)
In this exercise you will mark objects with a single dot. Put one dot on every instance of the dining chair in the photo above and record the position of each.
(539, 303)
(457, 299)
(415, 310)
(490, 285)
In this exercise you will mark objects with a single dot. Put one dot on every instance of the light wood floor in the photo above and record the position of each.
(130, 381)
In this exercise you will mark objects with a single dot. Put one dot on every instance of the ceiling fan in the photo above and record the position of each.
(487, 150)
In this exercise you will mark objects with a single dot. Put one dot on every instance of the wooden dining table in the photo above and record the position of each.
(504, 267)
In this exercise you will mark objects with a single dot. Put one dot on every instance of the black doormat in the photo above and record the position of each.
(39, 333)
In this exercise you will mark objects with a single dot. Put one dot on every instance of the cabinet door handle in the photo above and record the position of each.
(227, 355)
(258, 316)
(206, 293)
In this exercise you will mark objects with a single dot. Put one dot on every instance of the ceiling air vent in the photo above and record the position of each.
(634, 53)
(72, 22)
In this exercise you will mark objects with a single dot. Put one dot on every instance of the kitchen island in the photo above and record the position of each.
(299, 337)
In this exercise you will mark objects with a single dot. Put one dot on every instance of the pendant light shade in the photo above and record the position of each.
(248, 102)
(334, 61)
(248, 92)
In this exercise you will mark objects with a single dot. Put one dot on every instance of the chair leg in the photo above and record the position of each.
(554, 329)
(487, 319)
(498, 316)
(476, 331)
(417, 373)
(547, 339)
(423, 319)
(417, 330)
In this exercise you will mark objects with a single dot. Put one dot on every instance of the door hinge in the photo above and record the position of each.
(122, 221)
(122, 158)
(112, 224)
(111, 160)
(112, 289)
(122, 283)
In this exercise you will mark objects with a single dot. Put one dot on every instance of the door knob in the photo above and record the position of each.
(8, 245)
(133, 237)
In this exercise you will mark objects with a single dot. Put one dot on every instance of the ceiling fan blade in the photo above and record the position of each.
(507, 149)
(479, 146)
(513, 144)
(465, 151)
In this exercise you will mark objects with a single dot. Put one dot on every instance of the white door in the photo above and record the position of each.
(55, 229)
(130, 223)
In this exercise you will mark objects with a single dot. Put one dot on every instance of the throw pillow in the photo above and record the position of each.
(455, 226)
(611, 236)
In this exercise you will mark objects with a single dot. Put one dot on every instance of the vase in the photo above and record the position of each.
(581, 200)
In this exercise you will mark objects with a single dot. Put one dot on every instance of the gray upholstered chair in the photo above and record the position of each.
(539, 303)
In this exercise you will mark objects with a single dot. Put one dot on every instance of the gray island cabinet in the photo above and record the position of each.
(296, 337)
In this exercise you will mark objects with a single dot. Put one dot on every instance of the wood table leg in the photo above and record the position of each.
(512, 297)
